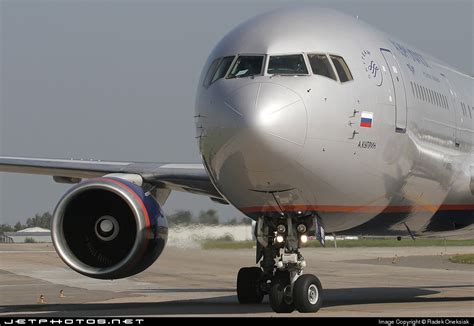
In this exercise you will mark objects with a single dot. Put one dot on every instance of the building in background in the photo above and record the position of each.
(34, 234)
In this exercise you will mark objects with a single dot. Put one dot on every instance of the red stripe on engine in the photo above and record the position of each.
(140, 201)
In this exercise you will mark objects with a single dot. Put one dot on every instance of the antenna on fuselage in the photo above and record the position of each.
(273, 192)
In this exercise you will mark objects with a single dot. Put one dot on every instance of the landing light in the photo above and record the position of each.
(301, 228)
(281, 228)
(279, 238)
(304, 238)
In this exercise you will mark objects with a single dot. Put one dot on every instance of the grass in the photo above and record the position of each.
(222, 244)
(463, 259)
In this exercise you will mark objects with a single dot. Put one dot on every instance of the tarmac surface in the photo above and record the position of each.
(383, 282)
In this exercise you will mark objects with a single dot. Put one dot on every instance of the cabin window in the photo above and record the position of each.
(210, 72)
(320, 65)
(287, 65)
(341, 68)
(247, 66)
(446, 101)
(221, 71)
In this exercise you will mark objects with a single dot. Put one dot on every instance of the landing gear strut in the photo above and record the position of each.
(280, 274)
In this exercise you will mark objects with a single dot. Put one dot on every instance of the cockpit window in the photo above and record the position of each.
(222, 69)
(341, 68)
(321, 66)
(287, 65)
(246, 66)
(210, 72)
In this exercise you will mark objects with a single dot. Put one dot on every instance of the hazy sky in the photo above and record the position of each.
(116, 80)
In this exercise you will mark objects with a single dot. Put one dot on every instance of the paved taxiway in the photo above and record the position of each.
(185, 282)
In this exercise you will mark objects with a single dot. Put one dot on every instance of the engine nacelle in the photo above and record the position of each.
(108, 228)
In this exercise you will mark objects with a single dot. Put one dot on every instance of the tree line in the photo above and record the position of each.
(39, 220)
(181, 217)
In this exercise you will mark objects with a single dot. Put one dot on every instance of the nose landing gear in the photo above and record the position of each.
(280, 274)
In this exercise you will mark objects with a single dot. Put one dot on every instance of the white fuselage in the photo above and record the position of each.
(390, 149)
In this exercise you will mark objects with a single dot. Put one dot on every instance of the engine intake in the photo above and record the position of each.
(108, 228)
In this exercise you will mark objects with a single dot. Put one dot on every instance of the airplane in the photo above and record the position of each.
(308, 121)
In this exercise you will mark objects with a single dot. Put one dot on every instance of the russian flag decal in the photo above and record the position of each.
(366, 119)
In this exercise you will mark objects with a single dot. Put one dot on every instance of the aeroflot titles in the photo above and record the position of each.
(413, 55)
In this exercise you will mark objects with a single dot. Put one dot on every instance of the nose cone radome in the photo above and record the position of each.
(274, 124)
(271, 109)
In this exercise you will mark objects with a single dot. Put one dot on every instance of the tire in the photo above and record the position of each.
(248, 285)
(278, 300)
(307, 293)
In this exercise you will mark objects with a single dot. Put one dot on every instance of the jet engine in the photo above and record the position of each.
(108, 228)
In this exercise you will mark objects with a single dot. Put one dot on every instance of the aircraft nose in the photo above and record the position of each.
(275, 124)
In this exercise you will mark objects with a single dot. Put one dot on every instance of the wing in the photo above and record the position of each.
(180, 177)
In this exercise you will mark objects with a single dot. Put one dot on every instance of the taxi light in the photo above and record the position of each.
(281, 228)
(301, 228)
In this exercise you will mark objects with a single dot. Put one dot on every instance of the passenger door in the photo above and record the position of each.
(398, 87)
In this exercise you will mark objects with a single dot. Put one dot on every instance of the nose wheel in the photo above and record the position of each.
(249, 281)
(307, 293)
(281, 272)
(281, 299)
